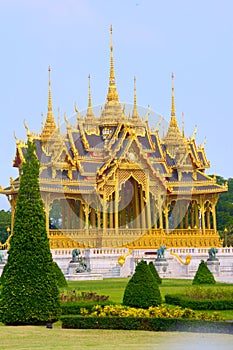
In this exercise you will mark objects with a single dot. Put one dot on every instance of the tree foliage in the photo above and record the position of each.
(30, 293)
(142, 289)
(203, 275)
(224, 211)
(5, 222)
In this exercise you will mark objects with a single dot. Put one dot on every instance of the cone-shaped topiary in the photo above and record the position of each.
(30, 293)
(142, 289)
(60, 278)
(155, 272)
(203, 275)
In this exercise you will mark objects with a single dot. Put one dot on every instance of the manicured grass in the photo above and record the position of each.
(32, 337)
(114, 288)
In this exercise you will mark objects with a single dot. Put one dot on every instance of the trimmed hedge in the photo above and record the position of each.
(142, 289)
(73, 308)
(203, 275)
(181, 300)
(147, 324)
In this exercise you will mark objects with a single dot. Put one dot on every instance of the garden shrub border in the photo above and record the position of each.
(181, 300)
(146, 324)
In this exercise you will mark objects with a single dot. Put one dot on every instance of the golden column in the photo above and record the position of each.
(181, 214)
(92, 218)
(111, 208)
(202, 209)
(87, 212)
(208, 214)
(160, 201)
(148, 212)
(197, 215)
(166, 217)
(142, 205)
(98, 219)
(155, 210)
(81, 215)
(116, 214)
(123, 212)
(105, 214)
(47, 203)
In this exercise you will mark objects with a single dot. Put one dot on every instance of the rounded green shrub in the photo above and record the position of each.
(155, 272)
(203, 275)
(142, 289)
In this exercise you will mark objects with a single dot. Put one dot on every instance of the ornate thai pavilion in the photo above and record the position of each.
(114, 182)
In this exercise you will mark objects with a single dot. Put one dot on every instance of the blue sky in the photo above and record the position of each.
(152, 39)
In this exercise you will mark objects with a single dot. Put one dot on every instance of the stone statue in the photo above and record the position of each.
(160, 253)
(212, 254)
(75, 255)
(80, 261)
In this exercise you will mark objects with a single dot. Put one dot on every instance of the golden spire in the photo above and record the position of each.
(89, 108)
(58, 119)
(183, 124)
(89, 92)
(135, 111)
(112, 93)
(173, 121)
(50, 105)
(50, 125)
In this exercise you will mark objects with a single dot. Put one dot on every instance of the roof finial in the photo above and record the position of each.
(50, 105)
(173, 121)
(183, 124)
(135, 111)
(89, 92)
(112, 93)
(90, 113)
(58, 119)
(173, 108)
(194, 133)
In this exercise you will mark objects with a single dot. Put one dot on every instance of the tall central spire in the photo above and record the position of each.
(50, 104)
(112, 92)
(173, 138)
(50, 125)
(173, 121)
(90, 113)
(135, 111)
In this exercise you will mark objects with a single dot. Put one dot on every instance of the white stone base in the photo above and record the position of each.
(214, 267)
(84, 276)
(103, 262)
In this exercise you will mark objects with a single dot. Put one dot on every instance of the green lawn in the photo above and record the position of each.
(32, 337)
(114, 287)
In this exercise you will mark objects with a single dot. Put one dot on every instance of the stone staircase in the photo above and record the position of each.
(114, 272)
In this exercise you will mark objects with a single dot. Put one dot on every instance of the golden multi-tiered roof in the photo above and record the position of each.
(115, 182)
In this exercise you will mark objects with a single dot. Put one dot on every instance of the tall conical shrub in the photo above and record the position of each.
(203, 275)
(155, 272)
(142, 289)
(30, 293)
